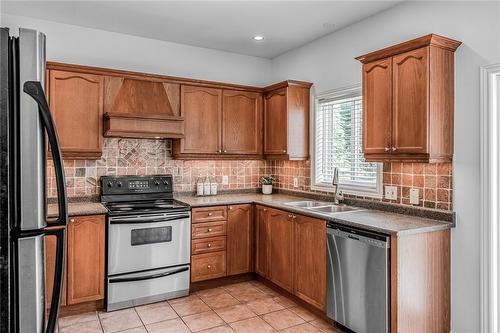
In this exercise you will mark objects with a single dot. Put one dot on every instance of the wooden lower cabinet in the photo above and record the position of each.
(240, 239)
(310, 260)
(85, 264)
(208, 266)
(262, 236)
(281, 249)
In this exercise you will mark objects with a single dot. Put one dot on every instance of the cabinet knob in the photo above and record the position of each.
(394, 149)
(230, 207)
(387, 148)
(294, 216)
(209, 267)
(290, 216)
(284, 150)
(210, 214)
(265, 209)
(219, 151)
(225, 151)
(209, 229)
(72, 220)
(209, 245)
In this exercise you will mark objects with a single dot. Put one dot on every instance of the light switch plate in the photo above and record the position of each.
(295, 182)
(414, 200)
(391, 192)
(225, 180)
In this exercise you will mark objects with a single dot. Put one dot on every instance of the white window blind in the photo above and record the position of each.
(337, 141)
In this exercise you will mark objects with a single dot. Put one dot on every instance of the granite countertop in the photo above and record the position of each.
(79, 209)
(368, 219)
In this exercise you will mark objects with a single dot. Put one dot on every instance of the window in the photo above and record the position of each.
(337, 143)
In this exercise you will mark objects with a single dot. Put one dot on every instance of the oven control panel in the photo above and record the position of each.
(136, 184)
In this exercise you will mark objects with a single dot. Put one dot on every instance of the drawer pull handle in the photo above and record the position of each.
(209, 245)
(209, 214)
(209, 229)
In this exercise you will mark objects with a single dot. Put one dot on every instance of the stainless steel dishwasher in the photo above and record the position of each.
(358, 279)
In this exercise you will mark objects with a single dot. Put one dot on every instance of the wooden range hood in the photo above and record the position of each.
(142, 108)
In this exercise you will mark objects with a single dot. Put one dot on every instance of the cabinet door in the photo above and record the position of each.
(202, 111)
(239, 239)
(262, 239)
(377, 106)
(410, 101)
(275, 123)
(85, 259)
(50, 267)
(281, 249)
(310, 260)
(241, 123)
(76, 102)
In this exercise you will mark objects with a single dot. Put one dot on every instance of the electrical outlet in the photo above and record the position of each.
(225, 180)
(391, 192)
(414, 196)
(295, 182)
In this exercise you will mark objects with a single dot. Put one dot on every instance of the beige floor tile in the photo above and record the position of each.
(252, 325)
(303, 328)
(153, 313)
(280, 320)
(220, 300)
(235, 313)
(219, 329)
(202, 321)
(135, 330)
(248, 294)
(266, 289)
(286, 302)
(239, 286)
(211, 292)
(85, 327)
(183, 299)
(169, 326)
(79, 318)
(264, 305)
(189, 305)
(119, 320)
(324, 326)
(303, 313)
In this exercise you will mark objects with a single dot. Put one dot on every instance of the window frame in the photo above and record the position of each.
(351, 189)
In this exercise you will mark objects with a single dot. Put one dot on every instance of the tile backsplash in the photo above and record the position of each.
(149, 157)
(142, 156)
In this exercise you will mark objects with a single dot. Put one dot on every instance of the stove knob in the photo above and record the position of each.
(119, 184)
(165, 182)
(157, 183)
(110, 184)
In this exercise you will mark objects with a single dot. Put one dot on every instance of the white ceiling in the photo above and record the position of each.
(221, 25)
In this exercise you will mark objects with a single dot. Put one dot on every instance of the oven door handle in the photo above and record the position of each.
(149, 277)
(163, 219)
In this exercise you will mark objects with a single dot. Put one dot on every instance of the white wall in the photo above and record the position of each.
(329, 63)
(79, 45)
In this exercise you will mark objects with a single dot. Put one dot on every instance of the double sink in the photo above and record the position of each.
(322, 207)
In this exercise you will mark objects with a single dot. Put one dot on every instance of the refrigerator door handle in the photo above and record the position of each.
(58, 276)
(35, 90)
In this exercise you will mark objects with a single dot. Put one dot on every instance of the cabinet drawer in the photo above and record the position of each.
(208, 214)
(208, 266)
(208, 229)
(206, 245)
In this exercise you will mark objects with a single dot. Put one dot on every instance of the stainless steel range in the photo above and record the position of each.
(148, 241)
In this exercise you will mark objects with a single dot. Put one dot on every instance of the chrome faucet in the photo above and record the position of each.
(335, 185)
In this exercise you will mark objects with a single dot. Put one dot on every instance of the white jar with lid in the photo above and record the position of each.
(213, 188)
(199, 187)
(206, 186)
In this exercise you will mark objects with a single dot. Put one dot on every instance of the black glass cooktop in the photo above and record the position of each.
(145, 206)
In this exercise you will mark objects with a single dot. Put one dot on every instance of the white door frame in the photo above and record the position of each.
(490, 196)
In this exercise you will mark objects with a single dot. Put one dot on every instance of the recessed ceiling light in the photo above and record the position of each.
(258, 38)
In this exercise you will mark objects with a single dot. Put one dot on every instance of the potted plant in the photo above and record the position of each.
(267, 184)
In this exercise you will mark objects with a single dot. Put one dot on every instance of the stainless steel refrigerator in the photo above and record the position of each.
(26, 131)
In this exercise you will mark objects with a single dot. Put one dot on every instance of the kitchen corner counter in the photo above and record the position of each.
(368, 219)
(79, 209)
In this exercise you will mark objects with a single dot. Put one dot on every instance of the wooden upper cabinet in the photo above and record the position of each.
(286, 121)
(202, 110)
(76, 103)
(408, 101)
(377, 106)
(142, 108)
(241, 123)
(240, 239)
(86, 257)
(281, 249)
(310, 260)
(262, 237)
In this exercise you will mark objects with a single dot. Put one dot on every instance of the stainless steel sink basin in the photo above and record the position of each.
(307, 203)
(333, 209)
